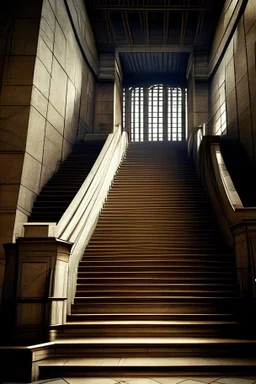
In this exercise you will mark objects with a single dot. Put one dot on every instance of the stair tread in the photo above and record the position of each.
(183, 297)
(156, 248)
(149, 315)
(149, 361)
(148, 322)
(154, 340)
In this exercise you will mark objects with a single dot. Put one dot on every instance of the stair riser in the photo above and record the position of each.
(158, 275)
(49, 372)
(130, 239)
(150, 317)
(152, 307)
(144, 280)
(81, 289)
(145, 350)
(149, 269)
(132, 259)
(156, 293)
(173, 331)
(64, 184)
(160, 253)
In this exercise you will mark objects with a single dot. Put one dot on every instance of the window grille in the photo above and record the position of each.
(157, 113)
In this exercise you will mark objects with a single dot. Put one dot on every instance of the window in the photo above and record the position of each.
(137, 115)
(157, 113)
(221, 121)
(175, 114)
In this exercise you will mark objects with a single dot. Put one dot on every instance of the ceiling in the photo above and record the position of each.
(153, 35)
(164, 66)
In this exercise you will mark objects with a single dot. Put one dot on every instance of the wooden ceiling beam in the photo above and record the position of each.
(110, 29)
(199, 27)
(145, 27)
(166, 27)
(183, 27)
(127, 29)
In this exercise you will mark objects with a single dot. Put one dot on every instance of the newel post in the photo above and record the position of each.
(244, 234)
(35, 288)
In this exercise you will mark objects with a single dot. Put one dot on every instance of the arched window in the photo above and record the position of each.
(156, 113)
(175, 114)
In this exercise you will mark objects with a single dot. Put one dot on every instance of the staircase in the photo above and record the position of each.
(56, 196)
(156, 290)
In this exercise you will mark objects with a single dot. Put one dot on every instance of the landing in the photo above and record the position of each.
(151, 380)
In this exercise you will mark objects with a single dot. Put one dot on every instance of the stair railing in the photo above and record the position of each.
(41, 267)
(79, 220)
(238, 223)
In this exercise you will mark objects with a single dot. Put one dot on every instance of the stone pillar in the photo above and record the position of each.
(145, 114)
(244, 233)
(165, 114)
(104, 107)
(35, 290)
(128, 112)
(198, 91)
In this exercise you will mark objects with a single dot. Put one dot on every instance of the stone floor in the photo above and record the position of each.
(162, 380)
(151, 380)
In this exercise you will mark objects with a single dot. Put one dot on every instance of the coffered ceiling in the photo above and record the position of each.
(153, 35)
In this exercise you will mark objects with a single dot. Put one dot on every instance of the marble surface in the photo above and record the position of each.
(151, 380)
(150, 361)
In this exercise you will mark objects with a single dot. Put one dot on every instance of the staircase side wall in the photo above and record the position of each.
(47, 97)
(233, 86)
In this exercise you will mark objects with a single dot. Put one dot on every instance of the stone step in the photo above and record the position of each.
(154, 316)
(142, 258)
(155, 262)
(141, 307)
(156, 268)
(154, 347)
(146, 367)
(149, 299)
(172, 275)
(152, 280)
(161, 293)
(154, 287)
(150, 328)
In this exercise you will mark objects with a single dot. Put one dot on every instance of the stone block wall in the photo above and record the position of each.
(104, 110)
(46, 100)
(61, 102)
(18, 44)
(235, 83)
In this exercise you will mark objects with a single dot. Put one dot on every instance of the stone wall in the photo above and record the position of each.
(18, 45)
(234, 84)
(118, 99)
(47, 99)
(198, 93)
(104, 112)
